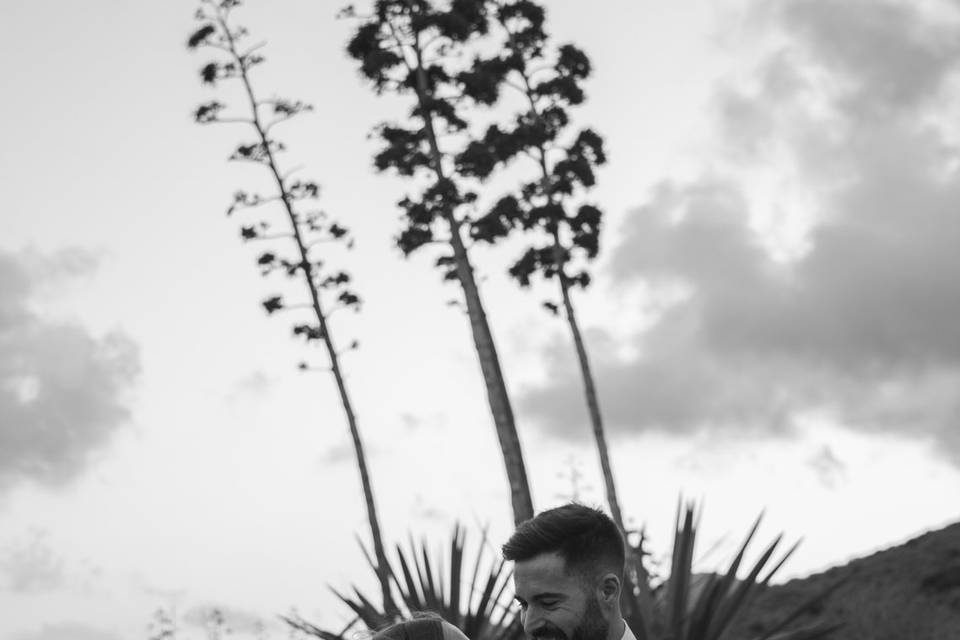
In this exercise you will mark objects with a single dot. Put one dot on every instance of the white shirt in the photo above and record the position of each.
(627, 633)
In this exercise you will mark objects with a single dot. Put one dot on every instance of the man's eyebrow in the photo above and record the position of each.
(540, 596)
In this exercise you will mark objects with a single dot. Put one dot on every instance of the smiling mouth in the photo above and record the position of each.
(548, 634)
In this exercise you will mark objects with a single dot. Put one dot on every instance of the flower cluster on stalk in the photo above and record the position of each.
(305, 227)
(417, 47)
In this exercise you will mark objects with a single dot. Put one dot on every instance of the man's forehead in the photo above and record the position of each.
(545, 573)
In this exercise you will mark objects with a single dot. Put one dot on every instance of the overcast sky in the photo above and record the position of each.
(772, 323)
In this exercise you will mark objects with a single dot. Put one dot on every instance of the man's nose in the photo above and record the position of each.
(531, 620)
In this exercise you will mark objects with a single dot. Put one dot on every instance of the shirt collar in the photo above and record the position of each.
(627, 633)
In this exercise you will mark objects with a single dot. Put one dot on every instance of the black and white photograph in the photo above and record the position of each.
(480, 320)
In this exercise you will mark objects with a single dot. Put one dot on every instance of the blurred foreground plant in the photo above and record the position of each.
(470, 591)
(689, 606)
(163, 625)
(477, 596)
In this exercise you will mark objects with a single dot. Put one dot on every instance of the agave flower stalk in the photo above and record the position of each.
(562, 233)
(305, 229)
(411, 47)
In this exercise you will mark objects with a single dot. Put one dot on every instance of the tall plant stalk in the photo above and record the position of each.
(217, 33)
(549, 80)
(409, 47)
(522, 23)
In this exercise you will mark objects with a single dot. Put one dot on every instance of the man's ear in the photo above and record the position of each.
(608, 589)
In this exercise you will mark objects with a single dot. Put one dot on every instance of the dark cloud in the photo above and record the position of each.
(848, 117)
(890, 54)
(60, 387)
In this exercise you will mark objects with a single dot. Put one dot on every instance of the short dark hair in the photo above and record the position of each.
(586, 538)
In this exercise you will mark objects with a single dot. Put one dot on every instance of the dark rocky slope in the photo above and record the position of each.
(907, 592)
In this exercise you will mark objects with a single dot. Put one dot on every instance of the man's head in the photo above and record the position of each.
(568, 574)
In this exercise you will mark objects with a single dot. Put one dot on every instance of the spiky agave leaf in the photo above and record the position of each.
(299, 624)
(681, 573)
(480, 607)
(408, 590)
(369, 614)
(736, 603)
(491, 598)
(456, 570)
(705, 609)
(425, 576)
(474, 616)
(494, 609)
(713, 600)
(722, 598)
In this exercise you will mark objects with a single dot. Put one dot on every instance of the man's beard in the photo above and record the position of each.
(592, 626)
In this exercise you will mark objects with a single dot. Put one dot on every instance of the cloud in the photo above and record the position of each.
(339, 454)
(830, 469)
(171, 595)
(31, 566)
(255, 383)
(344, 453)
(60, 387)
(814, 263)
(68, 631)
(423, 511)
(252, 386)
(220, 618)
(890, 55)
(410, 421)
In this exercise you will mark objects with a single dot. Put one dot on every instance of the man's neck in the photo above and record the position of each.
(617, 627)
